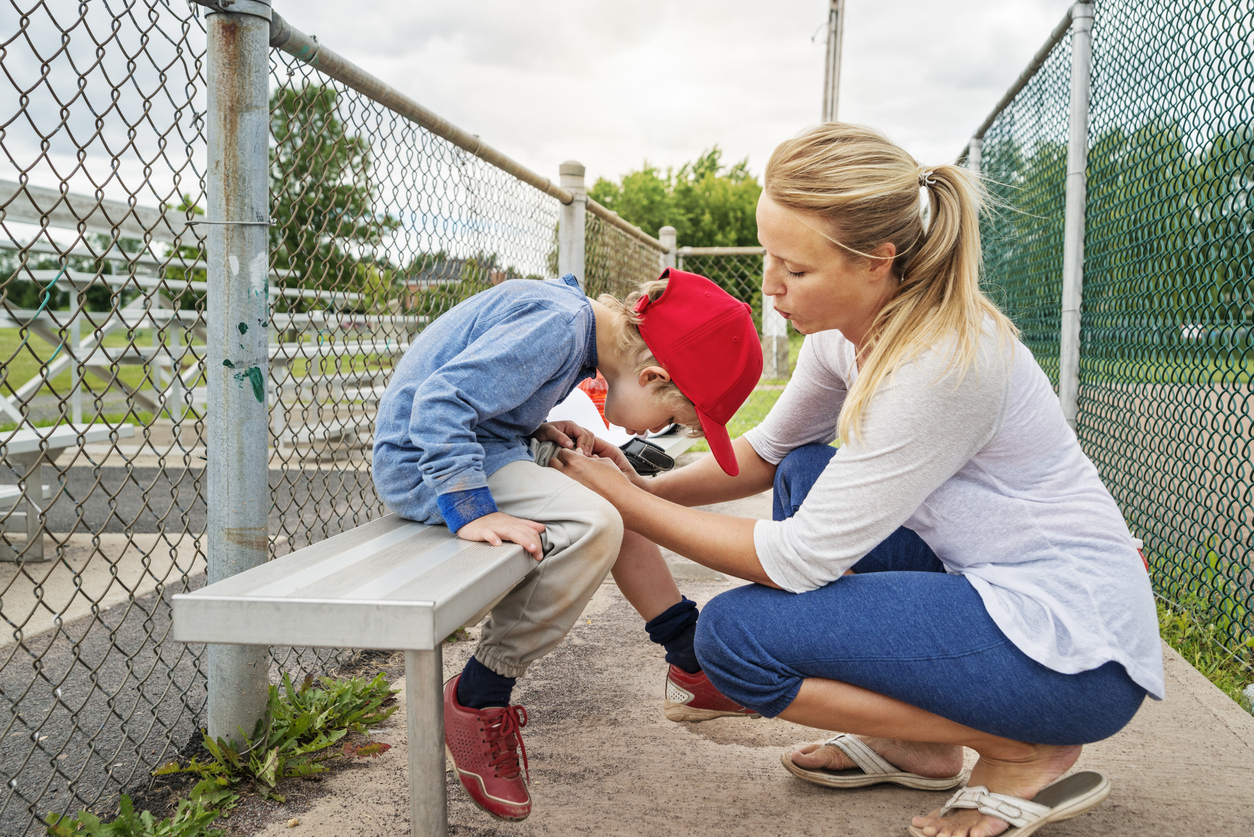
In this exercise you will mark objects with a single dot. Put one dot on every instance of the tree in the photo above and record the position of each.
(321, 189)
(709, 204)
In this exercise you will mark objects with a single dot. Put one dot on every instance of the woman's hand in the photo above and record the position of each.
(602, 474)
(498, 526)
(566, 434)
(612, 452)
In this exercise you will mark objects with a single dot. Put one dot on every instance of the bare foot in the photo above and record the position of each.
(936, 761)
(1024, 778)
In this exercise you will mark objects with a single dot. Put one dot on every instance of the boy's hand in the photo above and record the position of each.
(567, 435)
(498, 526)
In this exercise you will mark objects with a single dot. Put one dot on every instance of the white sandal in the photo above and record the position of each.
(872, 769)
(1064, 799)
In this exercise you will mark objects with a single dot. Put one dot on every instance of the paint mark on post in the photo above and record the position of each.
(243, 328)
(228, 364)
(234, 263)
(259, 383)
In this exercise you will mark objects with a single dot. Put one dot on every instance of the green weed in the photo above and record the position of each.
(293, 740)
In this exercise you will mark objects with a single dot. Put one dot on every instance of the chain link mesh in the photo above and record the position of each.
(614, 261)
(1165, 400)
(103, 515)
(380, 227)
(1024, 166)
(1166, 362)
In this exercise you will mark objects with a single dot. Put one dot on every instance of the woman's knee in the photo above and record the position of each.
(736, 656)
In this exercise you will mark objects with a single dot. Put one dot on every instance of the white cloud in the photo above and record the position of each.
(614, 84)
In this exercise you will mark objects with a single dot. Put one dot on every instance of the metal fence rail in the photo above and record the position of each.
(1165, 358)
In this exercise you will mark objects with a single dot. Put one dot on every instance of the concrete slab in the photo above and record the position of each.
(604, 760)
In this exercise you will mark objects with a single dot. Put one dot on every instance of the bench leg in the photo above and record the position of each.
(424, 708)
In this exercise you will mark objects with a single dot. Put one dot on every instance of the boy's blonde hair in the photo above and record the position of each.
(863, 190)
(632, 346)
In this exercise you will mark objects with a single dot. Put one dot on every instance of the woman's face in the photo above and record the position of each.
(812, 282)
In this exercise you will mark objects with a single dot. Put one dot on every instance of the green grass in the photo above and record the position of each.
(1201, 641)
(1181, 369)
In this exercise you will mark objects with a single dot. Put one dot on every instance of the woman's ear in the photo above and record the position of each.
(880, 264)
(652, 375)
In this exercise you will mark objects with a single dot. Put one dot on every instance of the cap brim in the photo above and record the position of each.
(720, 444)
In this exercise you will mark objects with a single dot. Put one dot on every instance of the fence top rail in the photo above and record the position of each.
(722, 251)
(1038, 61)
(297, 44)
(612, 217)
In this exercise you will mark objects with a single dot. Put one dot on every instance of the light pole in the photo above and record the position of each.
(831, 74)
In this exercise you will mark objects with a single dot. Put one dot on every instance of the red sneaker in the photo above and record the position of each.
(484, 746)
(692, 697)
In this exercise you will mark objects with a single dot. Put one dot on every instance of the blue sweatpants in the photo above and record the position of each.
(902, 627)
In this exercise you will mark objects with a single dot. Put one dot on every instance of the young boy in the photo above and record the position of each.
(452, 446)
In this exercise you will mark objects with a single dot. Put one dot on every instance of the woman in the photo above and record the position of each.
(955, 574)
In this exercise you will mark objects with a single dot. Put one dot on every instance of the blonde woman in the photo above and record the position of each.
(955, 574)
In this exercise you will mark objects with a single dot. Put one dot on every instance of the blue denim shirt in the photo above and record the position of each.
(471, 389)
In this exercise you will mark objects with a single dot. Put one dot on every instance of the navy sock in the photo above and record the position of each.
(674, 630)
(481, 687)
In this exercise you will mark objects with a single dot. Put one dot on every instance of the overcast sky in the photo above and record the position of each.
(615, 84)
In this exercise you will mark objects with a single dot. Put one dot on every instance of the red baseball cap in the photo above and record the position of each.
(706, 341)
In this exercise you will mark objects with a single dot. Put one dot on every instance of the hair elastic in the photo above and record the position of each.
(925, 178)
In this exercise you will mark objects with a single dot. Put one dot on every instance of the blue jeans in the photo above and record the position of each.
(902, 627)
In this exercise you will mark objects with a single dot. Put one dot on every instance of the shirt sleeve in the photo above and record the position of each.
(919, 429)
(499, 371)
(807, 409)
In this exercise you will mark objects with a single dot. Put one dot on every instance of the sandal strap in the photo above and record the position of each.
(1015, 811)
(860, 754)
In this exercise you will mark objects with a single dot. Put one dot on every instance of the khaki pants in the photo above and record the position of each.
(581, 541)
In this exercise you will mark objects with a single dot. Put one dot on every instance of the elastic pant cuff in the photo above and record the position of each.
(491, 658)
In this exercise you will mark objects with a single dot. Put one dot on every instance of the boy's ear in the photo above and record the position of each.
(653, 375)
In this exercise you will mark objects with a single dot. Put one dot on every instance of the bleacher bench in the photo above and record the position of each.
(389, 584)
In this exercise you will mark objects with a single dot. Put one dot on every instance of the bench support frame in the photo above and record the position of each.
(424, 721)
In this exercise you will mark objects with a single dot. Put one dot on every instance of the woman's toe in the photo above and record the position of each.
(814, 755)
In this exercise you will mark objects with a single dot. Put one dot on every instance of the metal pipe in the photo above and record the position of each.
(722, 251)
(831, 69)
(1073, 219)
(237, 312)
(424, 722)
(573, 223)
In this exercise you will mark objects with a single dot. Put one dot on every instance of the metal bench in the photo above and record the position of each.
(389, 584)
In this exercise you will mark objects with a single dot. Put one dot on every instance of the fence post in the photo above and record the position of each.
(570, 235)
(1073, 219)
(238, 316)
(975, 155)
(670, 240)
(774, 338)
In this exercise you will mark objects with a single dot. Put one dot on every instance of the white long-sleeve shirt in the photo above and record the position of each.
(990, 476)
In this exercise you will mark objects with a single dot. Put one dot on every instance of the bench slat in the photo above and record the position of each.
(389, 584)
(310, 556)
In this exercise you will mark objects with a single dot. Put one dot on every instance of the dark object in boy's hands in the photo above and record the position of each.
(647, 458)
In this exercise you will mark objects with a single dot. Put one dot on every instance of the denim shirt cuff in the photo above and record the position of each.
(460, 507)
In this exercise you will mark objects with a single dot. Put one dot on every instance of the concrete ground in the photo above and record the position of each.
(604, 760)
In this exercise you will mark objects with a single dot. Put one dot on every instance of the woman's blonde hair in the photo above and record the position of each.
(863, 191)
(632, 345)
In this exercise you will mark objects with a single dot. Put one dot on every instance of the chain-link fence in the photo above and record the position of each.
(1165, 360)
(378, 226)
